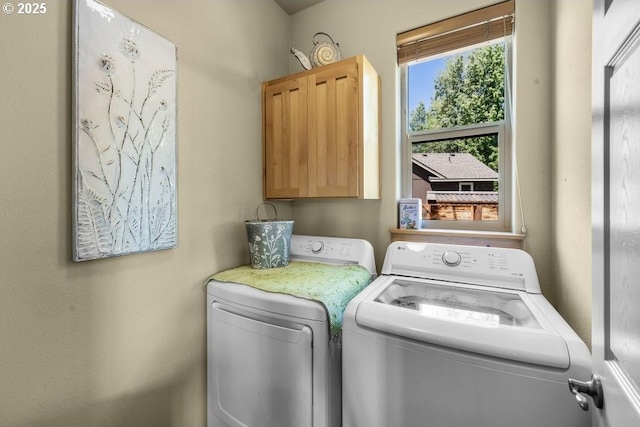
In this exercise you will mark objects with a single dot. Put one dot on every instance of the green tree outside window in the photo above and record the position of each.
(469, 90)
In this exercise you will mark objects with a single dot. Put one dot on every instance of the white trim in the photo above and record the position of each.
(466, 180)
(469, 184)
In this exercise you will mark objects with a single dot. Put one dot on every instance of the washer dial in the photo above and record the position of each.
(451, 258)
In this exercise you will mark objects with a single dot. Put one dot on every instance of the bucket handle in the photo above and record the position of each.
(264, 204)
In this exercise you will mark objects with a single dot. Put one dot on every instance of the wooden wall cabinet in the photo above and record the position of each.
(321, 133)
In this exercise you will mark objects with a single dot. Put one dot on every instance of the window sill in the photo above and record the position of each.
(460, 237)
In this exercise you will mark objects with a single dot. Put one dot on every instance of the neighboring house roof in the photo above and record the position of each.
(462, 197)
(453, 166)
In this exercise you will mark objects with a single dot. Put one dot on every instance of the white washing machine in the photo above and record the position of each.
(459, 336)
(272, 360)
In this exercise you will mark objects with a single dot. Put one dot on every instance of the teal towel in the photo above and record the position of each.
(333, 286)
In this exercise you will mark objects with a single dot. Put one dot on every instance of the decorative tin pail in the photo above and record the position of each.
(269, 240)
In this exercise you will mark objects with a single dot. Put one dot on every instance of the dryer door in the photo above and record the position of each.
(261, 372)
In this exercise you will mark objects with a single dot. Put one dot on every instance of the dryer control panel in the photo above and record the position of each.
(479, 265)
(333, 250)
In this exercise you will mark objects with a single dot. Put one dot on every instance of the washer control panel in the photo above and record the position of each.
(501, 267)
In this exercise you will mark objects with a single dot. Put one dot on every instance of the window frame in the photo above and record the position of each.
(465, 184)
(506, 162)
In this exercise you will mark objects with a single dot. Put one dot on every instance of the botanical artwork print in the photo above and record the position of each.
(125, 197)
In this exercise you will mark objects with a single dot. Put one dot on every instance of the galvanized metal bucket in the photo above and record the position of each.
(269, 240)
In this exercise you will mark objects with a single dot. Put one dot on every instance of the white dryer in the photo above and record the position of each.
(272, 361)
(459, 336)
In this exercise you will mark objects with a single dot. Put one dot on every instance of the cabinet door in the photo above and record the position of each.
(334, 127)
(285, 139)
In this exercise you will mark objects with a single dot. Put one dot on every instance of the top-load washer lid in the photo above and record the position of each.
(478, 299)
(481, 320)
(466, 305)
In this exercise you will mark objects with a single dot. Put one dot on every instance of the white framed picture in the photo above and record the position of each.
(125, 117)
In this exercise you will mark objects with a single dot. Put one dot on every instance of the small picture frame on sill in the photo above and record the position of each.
(410, 214)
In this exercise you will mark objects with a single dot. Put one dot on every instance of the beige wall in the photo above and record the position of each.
(571, 154)
(541, 54)
(121, 341)
(373, 34)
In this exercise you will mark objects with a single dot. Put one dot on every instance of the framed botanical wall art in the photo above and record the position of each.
(125, 193)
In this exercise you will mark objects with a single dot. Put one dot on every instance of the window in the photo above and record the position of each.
(465, 186)
(456, 118)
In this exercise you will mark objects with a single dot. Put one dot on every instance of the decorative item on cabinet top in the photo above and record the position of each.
(321, 132)
(323, 53)
(304, 61)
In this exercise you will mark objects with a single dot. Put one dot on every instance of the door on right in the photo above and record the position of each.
(616, 210)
